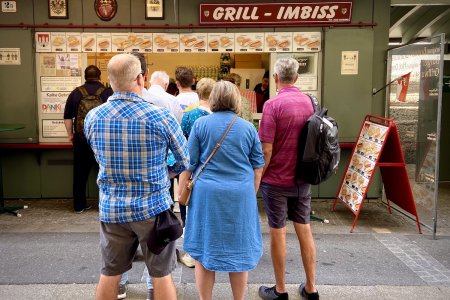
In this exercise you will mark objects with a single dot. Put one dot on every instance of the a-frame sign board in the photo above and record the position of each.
(378, 145)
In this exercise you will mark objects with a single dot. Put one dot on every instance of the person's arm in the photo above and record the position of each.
(267, 151)
(68, 123)
(257, 178)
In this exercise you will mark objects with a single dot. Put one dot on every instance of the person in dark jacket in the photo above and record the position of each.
(83, 157)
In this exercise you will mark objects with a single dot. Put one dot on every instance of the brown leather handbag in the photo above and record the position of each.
(189, 185)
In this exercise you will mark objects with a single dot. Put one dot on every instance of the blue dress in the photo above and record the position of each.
(222, 228)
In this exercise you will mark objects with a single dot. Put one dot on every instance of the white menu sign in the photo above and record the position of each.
(166, 43)
(73, 41)
(220, 42)
(278, 42)
(194, 42)
(58, 41)
(306, 41)
(249, 42)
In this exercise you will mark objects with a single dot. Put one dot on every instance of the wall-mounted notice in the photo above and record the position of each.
(9, 56)
(53, 129)
(53, 102)
(349, 62)
(59, 84)
(9, 7)
(43, 42)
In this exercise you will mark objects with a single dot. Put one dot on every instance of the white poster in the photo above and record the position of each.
(53, 129)
(59, 84)
(349, 62)
(9, 56)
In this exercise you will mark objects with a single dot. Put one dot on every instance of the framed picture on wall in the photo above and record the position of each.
(58, 9)
(154, 9)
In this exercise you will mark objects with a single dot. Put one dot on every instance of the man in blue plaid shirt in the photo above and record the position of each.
(130, 138)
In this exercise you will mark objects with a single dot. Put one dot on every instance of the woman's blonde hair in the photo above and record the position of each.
(204, 88)
(225, 96)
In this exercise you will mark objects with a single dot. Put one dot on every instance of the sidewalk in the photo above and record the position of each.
(52, 253)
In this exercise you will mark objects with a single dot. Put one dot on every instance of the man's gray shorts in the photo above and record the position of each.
(293, 202)
(119, 241)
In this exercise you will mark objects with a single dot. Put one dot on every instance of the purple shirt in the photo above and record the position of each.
(282, 121)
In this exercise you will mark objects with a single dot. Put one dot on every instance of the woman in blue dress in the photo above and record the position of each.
(222, 230)
(204, 87)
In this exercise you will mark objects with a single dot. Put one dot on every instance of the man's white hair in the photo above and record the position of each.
(286, 69)
(123, 69)
(159, 77)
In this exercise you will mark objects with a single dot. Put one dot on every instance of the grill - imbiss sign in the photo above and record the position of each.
(277, 13)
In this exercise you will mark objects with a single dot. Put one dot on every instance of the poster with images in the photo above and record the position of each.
(73, 40)
(58, 42)
(10, 56)
(166, 42)
(220, 42)
(193, 42)
(278, 42)
(103, 42)
(307, 41)
(88, 42)
(362, 164)
(249, 42)
(349, 62)
(47, 64)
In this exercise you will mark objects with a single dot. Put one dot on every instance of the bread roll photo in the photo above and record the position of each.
(89, 43)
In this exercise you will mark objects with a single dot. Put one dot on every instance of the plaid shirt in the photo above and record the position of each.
(130, 139)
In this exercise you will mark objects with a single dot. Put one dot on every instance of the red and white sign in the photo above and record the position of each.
(270, 13)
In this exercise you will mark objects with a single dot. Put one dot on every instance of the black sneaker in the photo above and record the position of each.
(269, 293)
(309, 296)
(83, 210)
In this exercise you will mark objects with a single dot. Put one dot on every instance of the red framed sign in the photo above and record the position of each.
(282, 13)
(378, 145)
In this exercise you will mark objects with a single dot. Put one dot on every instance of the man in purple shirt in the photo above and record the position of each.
(283, 119)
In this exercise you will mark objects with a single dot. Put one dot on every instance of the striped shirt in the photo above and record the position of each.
(130, 139)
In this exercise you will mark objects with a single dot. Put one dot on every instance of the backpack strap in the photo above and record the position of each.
(100, 91)
(314, 102)
(83, 91)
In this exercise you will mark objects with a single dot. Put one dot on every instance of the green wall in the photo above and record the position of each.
(48, 173)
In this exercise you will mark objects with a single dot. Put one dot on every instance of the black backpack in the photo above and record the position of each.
(87, 103)
(318, 147)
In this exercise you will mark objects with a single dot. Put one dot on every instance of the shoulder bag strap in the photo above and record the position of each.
(215, 148)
